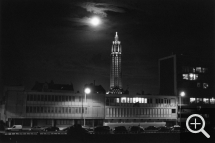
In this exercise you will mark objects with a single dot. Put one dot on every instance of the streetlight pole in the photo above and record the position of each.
(182, 94)
(180, 110)
(86, 91)
(83, 108)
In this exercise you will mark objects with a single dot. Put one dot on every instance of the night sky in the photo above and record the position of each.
(44, 40)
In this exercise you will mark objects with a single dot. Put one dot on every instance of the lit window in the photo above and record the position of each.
(145, 100)
(139, 100)
(123, 100)
(194, 70)
(185, 76)
(206, 100)
(198, 69)
(131, 100)
(205, 85)
(142, 100)
(212, 101)
(117, 100)
(128, 100)
(192, 100)
(193, 76)
(136, 99)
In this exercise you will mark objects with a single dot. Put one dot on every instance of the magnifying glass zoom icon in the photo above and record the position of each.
(201, 129)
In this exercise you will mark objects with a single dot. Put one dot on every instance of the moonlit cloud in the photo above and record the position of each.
(100, 8)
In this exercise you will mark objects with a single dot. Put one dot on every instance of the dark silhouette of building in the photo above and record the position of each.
(49, 87)
(194, 77)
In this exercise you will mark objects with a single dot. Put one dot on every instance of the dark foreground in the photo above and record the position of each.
(121, 138)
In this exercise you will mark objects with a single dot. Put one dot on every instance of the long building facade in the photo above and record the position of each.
(31, 108)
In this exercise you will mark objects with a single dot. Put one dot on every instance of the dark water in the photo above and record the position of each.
(124, 138)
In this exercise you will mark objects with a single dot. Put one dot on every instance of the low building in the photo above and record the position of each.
(62, 109)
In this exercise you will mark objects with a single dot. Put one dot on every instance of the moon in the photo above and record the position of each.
(95, 21)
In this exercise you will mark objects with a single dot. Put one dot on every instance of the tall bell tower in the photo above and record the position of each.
(116, 70)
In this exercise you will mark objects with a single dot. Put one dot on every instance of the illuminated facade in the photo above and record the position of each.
(116, 70)
(61, 109)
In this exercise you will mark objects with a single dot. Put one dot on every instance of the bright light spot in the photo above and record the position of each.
(87, 90)
(192, 100)
(182, 93)
(95, 21)
(191, 75)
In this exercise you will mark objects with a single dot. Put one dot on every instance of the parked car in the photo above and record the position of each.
(15, 128)
(177, 128)
(66, 129)
(136, 129)
(120, 130)
(102, 130)
(151, 128)
(76, 129)
(163, 129)
(51, 129)
(36, 129)
(90, 130)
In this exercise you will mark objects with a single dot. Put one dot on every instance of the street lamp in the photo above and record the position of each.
(86, 91)
(182, 94)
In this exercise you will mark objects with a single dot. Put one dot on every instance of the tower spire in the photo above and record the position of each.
(116, 70)
(116, 37)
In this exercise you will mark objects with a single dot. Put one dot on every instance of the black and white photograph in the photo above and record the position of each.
(107, 71)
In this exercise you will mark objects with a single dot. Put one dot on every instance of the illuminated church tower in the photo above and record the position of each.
(116, 70)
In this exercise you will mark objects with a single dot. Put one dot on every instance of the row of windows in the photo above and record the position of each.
(202, 100)
(137, 111)
(194, 69)
(160, 100)
(111, 101)
(44, 109)
(53, 98)
(190, 76)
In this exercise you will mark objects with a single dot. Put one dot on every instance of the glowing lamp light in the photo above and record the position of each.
(182, 93)
(87, 90)
(191, 75)
(95, 21)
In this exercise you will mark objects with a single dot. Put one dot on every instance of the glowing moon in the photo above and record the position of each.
(95, 21)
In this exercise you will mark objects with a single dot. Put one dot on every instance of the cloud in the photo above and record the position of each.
(100, 8)
(83, 18)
